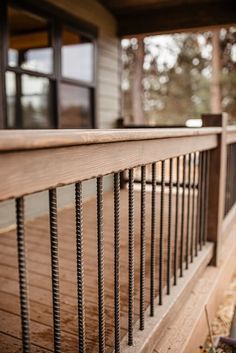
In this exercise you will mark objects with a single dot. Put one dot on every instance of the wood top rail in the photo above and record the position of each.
(39, 160)
(231, 134)
(13, 140)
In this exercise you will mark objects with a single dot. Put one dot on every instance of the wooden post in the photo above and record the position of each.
(217, 179)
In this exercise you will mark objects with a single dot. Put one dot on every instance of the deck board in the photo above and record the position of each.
(39, 276)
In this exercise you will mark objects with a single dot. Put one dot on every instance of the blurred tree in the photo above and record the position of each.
(177, 71)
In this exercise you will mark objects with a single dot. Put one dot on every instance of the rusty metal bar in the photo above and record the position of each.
(169, 239)
(161, 233)
(198, 221)
(55, 270)
(100, 258)
(142, 246)
(152, 248)
(80, 265)
(182, 216)
(176, 222)
(193, 227)
(131, 258)
(23, 285)
(188, 211)
(117, 261)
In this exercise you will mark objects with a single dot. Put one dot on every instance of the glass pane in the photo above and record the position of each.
(11, 99)
(36, 102)
(29, 42)
(77, 56)
(75, 107)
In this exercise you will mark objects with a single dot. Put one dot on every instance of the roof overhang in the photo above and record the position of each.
(137, 17)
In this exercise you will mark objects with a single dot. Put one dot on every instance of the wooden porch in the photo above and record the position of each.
(38, 247)
(117, 268)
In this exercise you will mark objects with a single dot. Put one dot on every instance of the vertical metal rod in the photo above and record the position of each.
(169, 226)
(202, 198)
(193, 230)
(55, 270)
(153, 233)
(142, 247)
(188, 210)
(176, 223)
(182, 216)
(131, 258)
(117, 260)
(198, 220)
(161, 232)
(206, 196)
(80, 265)
(100, 258)
(23, 290)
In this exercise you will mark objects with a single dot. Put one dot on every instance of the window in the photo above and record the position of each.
(49, 76)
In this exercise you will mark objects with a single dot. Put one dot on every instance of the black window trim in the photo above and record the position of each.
(58, 19)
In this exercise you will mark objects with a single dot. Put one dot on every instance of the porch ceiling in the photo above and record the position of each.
(162, 16)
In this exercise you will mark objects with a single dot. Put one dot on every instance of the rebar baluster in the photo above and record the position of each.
(131, 258)
(100, 259)
(202, 199)
(80, 265)
(168, 277)
(153, 233)
(176, 223)
(188, 210)
(198, 220)
(182, 217)
(193, 230)
(55, 270)
(117, 260)
(161, 232)
(142, 246)
(23, 285)
(206, 196)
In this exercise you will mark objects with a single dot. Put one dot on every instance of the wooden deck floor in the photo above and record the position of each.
(37, 236)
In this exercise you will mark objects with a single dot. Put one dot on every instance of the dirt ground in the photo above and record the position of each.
(222, 322)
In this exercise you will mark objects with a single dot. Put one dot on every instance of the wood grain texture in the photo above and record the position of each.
(36, 139)
(26, 172)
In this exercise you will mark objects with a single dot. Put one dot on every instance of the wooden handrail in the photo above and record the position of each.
(12, 140)
(47, 159)
(231, 134)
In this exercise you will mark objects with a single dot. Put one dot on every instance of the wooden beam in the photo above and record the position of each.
(176, 18)
(217, 183)
(231, 134)
(13, 140)
(26, 172)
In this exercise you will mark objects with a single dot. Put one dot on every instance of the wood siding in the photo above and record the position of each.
(107, 100)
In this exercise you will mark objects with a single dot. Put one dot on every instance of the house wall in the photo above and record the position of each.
(107, 100)
(108, 57)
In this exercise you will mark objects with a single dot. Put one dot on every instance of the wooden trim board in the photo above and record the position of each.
(27, 172)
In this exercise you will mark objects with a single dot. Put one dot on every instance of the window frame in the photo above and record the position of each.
(57, 19)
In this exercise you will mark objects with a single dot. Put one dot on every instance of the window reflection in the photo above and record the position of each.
(77, 56)
(11, 99)
(29, 104)
(35, 102)
(29, 42)
(75, 107)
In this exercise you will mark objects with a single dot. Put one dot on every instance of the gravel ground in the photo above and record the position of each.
(221, 324)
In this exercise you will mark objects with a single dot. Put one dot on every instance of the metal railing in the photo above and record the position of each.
(230, 193)
(181, 162)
